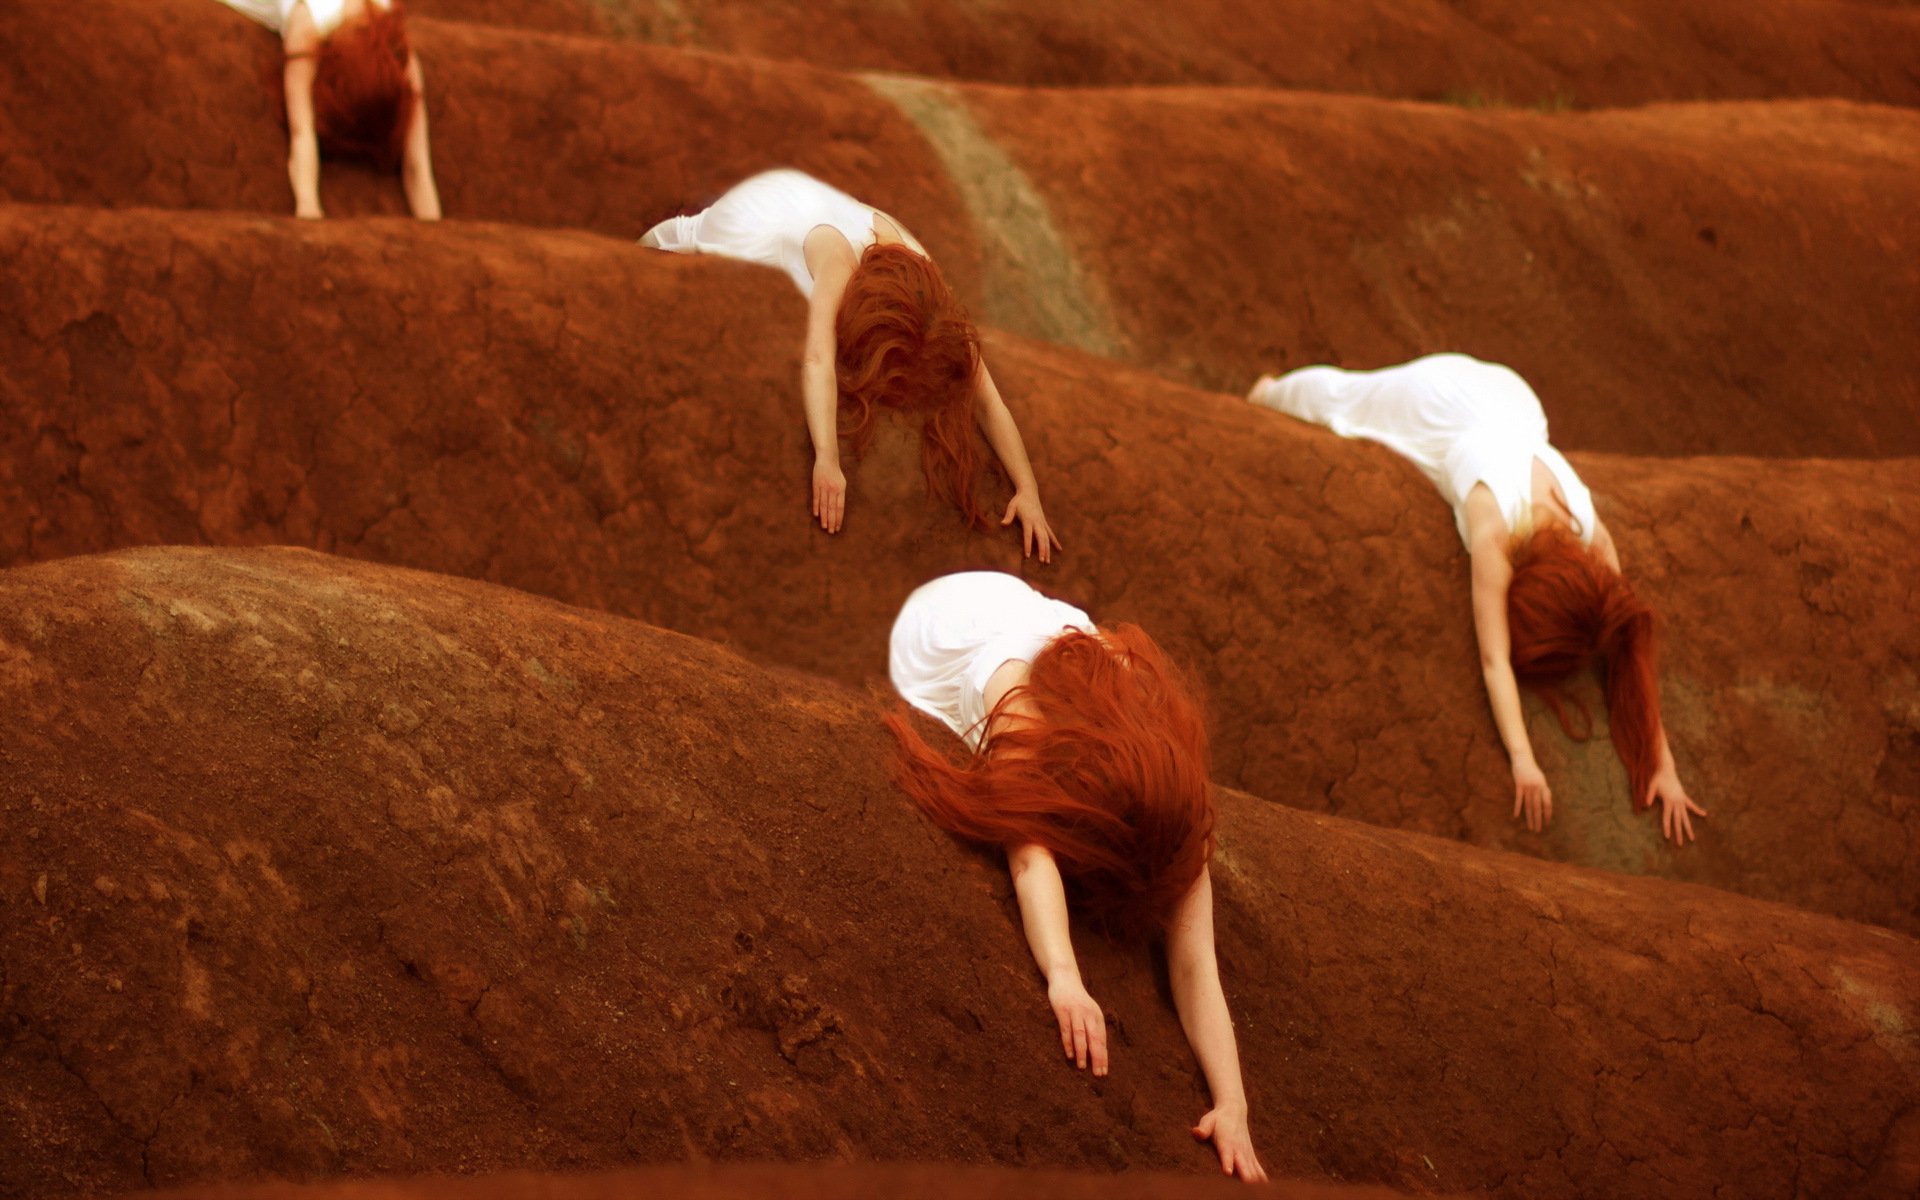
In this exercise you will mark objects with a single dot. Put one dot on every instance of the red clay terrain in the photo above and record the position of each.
(312, 867)
(1591, 54)
(1676, 280)
(621, 429)
(842, 1181)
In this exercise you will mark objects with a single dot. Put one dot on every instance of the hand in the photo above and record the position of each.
(1532, 796)
(1083, 1030)
(1226, 1126)
(1033, 524)
(829, 494)
(1676, 810)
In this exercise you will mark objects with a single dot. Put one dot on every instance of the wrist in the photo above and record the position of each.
(1524, 761)
(1063, 975)
(1236, 1105)
(827, 458)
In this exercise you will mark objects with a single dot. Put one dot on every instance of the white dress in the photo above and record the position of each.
(1460, 420)
(955, 632)
(273, 14)
(766, 220)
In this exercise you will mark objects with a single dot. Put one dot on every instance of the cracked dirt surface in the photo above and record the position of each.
(1640, 267)
(318, 867)
(619, 429)
(625, 133)
(840, 1181)
(1609, 53)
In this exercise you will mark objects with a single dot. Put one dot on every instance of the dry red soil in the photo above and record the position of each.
(1677, 280)
(619, 429)
(572, 846)
(838, 1182)
(316, 867)
(1608, 52)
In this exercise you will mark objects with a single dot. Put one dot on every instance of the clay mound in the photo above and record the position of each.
(621, 429)
(844, 1181)
(1640, 268)
(530, 129)
(1623, 52)
(318, 867)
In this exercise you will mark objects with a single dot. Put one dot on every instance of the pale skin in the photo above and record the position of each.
(301, 40)
(1489, 540)
(1192, 966)
(831, 261)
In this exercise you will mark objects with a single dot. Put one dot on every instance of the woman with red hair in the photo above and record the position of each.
(883, 331)
(1089, 768)
(353, 88)
(1548, 595)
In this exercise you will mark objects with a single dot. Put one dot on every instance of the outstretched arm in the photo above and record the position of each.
(820, 381)
(1492, 572)
(1194, 970)
(416, 173)
(996, 421)
(1677, 809)
(1043, 913)
(301, 41)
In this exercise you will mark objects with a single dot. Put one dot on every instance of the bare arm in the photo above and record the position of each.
(1043, 915)
(1492, 572)
(997, 423)
(1194, 970)
(831, 266)
(301, 42)
(416, 172)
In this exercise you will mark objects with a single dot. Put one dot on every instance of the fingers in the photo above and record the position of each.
(1696, 809)
(1519, 801)
(1066, 1030)
(1080, 1041)
(1097, 1043)
(837, 503)
(1204, 1129)
(1026, 537)
(1008, 519)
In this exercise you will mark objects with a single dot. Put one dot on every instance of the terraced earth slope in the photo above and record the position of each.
(1676, 280)
(316, 867)
(619, 429)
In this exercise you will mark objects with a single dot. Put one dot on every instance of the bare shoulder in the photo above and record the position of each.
(889, 231)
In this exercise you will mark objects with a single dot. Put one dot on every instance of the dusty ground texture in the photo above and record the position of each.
(1678, 280)
(620, 429)
(1483, 52)
(316, 867)
(842, 1181)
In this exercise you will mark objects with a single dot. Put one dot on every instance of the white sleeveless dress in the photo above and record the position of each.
(766, 220)
(274, 14)
(955, 632)
(1460, 420)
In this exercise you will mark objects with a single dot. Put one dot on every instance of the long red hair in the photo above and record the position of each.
(906, 342)
(362, 99)
(1112, 777)
(1567, 609)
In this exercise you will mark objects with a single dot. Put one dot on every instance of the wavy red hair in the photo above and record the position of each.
(1112, 777)
(362, 99)
(906, 342)
(1566, 609)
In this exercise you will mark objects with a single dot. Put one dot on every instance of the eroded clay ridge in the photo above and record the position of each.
(787, 1181)
(1677, 280)
(1591, 54)
(620, 429)
(316, 867)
